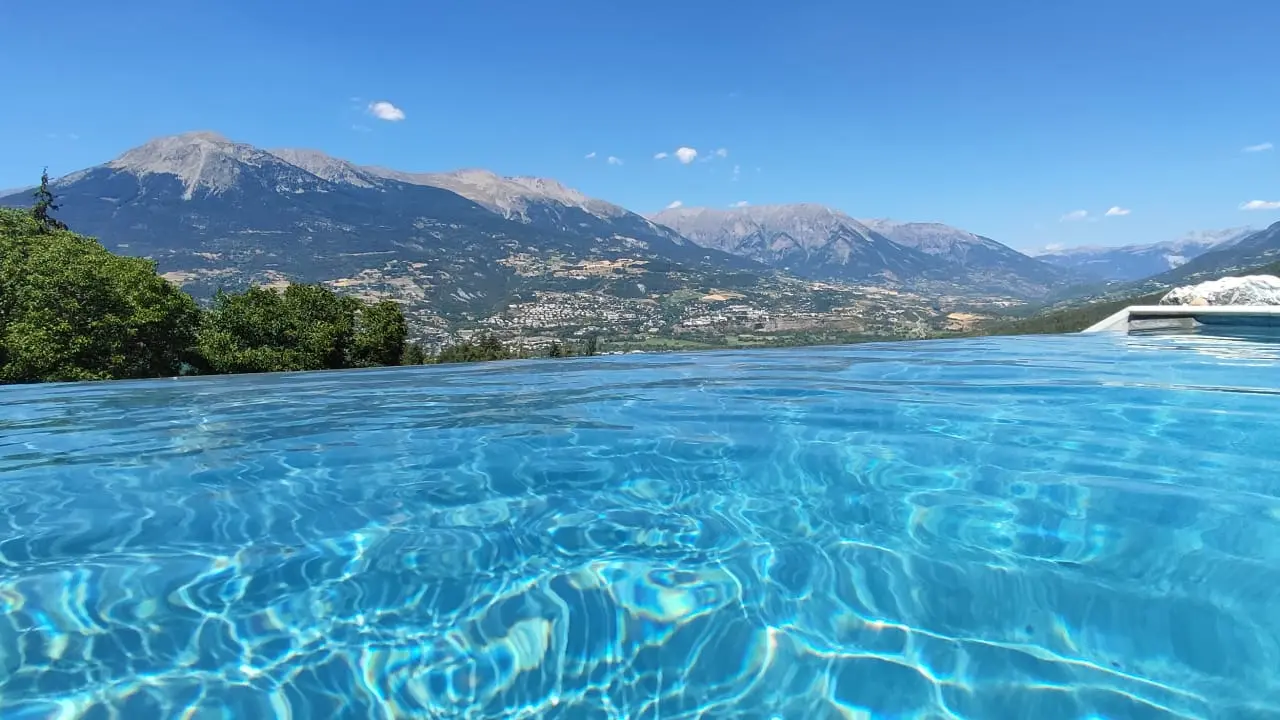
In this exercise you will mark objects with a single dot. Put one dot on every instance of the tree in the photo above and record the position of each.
(381, 335)
(487, 347)
(591, 347)
(414, 354)
(71, 310)
(305, 327)
(556, 350)
(44, 206)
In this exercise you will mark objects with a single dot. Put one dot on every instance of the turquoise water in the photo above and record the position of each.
(1069, 527)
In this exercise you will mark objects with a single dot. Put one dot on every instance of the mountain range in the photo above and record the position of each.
(1239, 254)
(816, 241)
(180, 183)
(471, 248)
(1136, 262)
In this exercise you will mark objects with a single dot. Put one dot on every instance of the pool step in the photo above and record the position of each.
(1151, 316)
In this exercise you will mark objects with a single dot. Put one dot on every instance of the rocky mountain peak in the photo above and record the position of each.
(327, 167)
(512, 197)
(203, 160)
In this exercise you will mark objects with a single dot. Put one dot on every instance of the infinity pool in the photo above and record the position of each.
(1040, 528)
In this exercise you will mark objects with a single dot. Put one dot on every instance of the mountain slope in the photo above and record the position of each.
(546, 204)
(816, 241)
(1135, 262)
(1251, 251)
(538, 202)
(810, 240)
(983, 261)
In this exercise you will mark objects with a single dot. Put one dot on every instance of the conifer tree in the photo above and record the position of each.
(42, 211)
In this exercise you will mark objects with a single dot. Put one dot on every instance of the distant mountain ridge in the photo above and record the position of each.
(1242, 253)
(817, 241)
(536, 201)
(807, 239)
(1136, 262)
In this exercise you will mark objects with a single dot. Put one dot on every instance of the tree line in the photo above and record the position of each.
(72, 310)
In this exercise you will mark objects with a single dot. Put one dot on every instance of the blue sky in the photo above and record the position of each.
(1000, 116)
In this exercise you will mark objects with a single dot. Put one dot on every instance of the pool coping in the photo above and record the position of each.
(1269, 315)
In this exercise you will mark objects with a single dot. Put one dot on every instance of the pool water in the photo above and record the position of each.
(1058, 527)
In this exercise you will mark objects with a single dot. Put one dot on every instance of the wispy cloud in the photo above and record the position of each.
(1118, 211)
(661, 156)
(361, 128)
(1261, 205)
(613, 160)
(739, 204)
(384, 110)
(1260, 147)
(589, 156)
(737, 171)
(722, 153)
(1074, 216)
(674, 204)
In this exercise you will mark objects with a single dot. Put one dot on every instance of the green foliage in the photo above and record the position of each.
(381, 335)
(306, 327)
(70, 310)
(414, 354)
(556, 350)
(487, 347)
(44, 206)
(592, 346)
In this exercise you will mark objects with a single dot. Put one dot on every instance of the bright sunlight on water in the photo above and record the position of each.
(1060, 527)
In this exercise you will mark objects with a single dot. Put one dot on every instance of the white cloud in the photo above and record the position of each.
(1261, 205)
(740, 204)
(1074, 216)
(613, 160)
(737, 170)
(661, 156)
(384, 110)
(589, 155)
(1260, 147)
(722, 153)
(674, 204)
(686, 155)
(1118, 211)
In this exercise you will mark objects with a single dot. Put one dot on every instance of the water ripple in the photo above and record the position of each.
(1032, 527)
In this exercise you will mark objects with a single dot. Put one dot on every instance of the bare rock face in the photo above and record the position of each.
(1247, 290)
